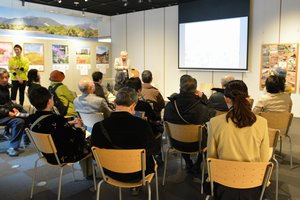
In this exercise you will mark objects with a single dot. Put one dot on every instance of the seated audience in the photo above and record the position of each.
(68, 136)
(64, 94)
(151, 94)
(274, 99)
(192, 109)
(9, 112)
(88, 102)
(33, 80)
(280, 72)
(120, 81)
(125, 131)
(216, 100)
(239, 135)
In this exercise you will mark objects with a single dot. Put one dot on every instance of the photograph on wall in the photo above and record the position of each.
(6, 52)
(102, 55)
(35, 53)
(279, 57)
(83, 55)
(44, 24)
(60, 54)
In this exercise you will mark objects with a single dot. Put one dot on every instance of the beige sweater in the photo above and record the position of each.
(248, 144)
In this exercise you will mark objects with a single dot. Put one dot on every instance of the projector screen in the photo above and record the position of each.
(214, 44)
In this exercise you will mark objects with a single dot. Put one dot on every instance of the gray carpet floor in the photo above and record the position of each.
(16, 176)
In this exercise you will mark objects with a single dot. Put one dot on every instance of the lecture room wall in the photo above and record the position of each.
(151, 38)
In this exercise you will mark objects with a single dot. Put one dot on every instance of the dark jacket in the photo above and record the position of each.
(69, 141)
(6, 104)
(99, 90)
(127, 132)
(217, 101)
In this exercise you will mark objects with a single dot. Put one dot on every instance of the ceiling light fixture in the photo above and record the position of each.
(125, 3)
(76, 3)
(149, 1)
(140, 1)
(83, 12)
(59, 1)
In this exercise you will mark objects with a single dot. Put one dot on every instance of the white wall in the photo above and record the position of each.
(151, 38)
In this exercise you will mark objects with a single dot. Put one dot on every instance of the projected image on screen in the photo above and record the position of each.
(214, 45)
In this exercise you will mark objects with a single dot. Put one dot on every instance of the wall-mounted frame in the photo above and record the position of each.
(60, 54)
(6, 52)
(279, 55)
(35, 53)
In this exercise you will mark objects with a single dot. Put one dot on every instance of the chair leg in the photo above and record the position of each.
(291, 153)
(73, 172)
(280, 147)
(59, 184)
(33, 178)
(94, 174)
(165, 167)
(149, 190)
(277, 177)
(202, 173)
(156, 185)
(120, 193)
(98, 188)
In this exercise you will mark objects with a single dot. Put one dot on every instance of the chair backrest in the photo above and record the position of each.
(89, 119)
(237, 174)
(278, 120)
(184, 132)
(43, 143)
(218, 112)
(120, 160)
(273, 138)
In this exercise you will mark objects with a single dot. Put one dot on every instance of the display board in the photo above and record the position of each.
(279, 55)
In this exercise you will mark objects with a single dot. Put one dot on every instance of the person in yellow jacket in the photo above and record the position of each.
(18, 67)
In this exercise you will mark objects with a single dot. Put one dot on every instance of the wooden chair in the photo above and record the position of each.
(282, 122)
(124, 161)
(240, 175)
(218, 112)
(185, 133)
(273, 138)
(89, 119)
(43, 143)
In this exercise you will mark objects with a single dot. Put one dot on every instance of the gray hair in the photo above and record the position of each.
(126, 97)
(3, 71)
(226, 79)
(84, 84)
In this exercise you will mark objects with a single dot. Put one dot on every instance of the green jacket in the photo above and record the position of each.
(65, 95)
(22, 64)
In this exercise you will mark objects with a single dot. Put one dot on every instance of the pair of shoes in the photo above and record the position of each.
(135, 191)
(12, 152)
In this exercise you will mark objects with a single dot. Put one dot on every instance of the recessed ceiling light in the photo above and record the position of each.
(76, 3)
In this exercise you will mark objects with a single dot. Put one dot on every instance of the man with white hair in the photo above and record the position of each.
(122, 64)
(89, 102)
(216, 100)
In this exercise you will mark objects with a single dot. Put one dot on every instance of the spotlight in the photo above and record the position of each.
(140, 1)
(59, 1)
(125, 4)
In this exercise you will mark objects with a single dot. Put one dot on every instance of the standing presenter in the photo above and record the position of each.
(18, 67)
(122, 67)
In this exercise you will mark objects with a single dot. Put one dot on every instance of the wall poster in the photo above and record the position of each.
(60, 57)
(102, 58)
(83, 59)
(35, 53)
(279, 55)
(6, 52)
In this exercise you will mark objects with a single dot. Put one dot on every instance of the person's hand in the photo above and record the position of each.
(198, 93)
(13, 67)
(76, 123)
(13, 113)
(19, 79)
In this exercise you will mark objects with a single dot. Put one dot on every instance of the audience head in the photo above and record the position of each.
(279, 71)
(57, 76)
(124, 55)
(97, 76)
(41, 98)
(147, 76)
(134, 83)
(274, 84)
(188, 84)
(236, 97)
(33, 76)
(4, 77)
(86, 85)
(225, 80)
(126, 99)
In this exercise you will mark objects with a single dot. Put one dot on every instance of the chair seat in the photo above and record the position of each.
(117, 183)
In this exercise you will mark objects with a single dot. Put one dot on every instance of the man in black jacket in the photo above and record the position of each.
(193, 109)
(9, 115)
(125, 131)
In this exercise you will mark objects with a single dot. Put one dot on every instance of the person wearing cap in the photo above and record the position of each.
(63, 93)
(18, 67)
(281, 73)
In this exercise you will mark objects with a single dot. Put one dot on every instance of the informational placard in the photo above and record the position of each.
(274, 56)
(35, 54)
(102, 58)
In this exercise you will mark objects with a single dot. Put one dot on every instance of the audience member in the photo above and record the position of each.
(9, 112)
(62, 91)
(18, 67)
(239, 135)
(281, 73)
(151, 94)
(274, 99)
(88, 102)
(120, 81)
(125, 131)
(33, 80)
(68, 136)
(216, 100)
(189, 107)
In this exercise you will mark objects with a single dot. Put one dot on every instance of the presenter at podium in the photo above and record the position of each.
(122, 64)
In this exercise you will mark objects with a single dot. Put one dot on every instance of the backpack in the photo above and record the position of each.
(62, 109)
